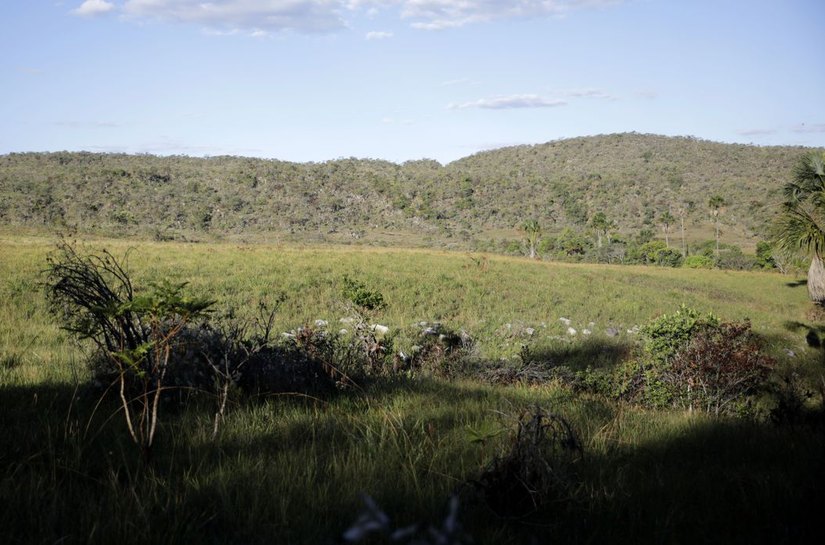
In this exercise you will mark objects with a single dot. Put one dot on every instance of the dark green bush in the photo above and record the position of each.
(358, 293)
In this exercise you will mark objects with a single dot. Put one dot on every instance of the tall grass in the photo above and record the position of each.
(290, 469)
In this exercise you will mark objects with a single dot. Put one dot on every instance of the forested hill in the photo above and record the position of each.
(476, 202)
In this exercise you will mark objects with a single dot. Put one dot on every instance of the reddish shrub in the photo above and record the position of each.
(720, 364)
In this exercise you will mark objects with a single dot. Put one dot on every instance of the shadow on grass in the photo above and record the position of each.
(289, 470)
(797, 283)
(595, 353)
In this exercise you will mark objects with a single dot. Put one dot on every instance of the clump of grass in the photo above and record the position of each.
(536, 471)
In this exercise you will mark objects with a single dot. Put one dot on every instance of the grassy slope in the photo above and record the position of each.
(479, 293)
(289, 470)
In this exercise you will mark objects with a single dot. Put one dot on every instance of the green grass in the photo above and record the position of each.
(290, 469)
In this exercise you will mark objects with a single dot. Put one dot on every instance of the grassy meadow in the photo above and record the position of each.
(292, 468)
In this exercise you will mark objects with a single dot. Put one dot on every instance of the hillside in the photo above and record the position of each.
(474, 203)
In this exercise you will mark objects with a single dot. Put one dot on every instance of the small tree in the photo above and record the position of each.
(532, 230)
(94, 298)
(666, 219)
(715, 203)
(602, 225)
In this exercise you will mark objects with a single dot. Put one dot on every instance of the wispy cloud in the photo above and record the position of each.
(510, 102)
(809, 128)
(587, 93)
(91, 8)
(378, 35)
(88, 124)
(756, 132)
(648, 94)
(444, 14)
(248, 15)
(331, 15)
(29, 70)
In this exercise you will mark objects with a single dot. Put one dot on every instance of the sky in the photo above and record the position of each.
(314, 80)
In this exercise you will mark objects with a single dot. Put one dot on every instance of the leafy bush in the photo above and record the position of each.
(358, 293)
(668, 333)
(698, 262)
(136, 333)
(692, 360)
(736, 260)
(719, 365)
(764, 255)
(644, 379)
(655, 252)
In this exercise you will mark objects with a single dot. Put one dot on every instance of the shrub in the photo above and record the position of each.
(438, 351)
(698, 262)
(358, 293)
(719, 365)
(655, 252)
(736, 260)
(137, 334)
(665, 335)
(537, 469)
(644, 379)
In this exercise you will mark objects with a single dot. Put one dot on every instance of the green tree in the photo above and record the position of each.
(666, 219)
(532, 229)
(715, 203)
(683, 210)
(602, 225)
(801, 225)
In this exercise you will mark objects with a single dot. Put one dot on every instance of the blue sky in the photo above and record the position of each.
(312, 80)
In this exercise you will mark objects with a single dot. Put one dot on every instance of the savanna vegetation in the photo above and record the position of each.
(219, 373)
(623, 187)
(319, 395)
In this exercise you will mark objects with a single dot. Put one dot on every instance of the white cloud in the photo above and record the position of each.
(331, 15)
(510, 102)
(258, 16)
(378, 35)
(93, 7)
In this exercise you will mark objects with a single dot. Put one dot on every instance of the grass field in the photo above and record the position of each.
(290, 469)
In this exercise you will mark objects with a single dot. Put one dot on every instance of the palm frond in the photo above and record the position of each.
(802, 227)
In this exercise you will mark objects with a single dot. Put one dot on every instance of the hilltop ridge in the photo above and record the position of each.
(476, 202)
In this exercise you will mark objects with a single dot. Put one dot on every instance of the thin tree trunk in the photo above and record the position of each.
(816, 281)
(684, 246)
(667, 239)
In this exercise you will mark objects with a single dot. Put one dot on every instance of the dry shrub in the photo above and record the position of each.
(719, 366)
(537, 471)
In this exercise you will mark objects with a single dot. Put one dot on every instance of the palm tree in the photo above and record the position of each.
(532, 229)
(716, 203)
(666, 219)
(602, 225)
(802, 222)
